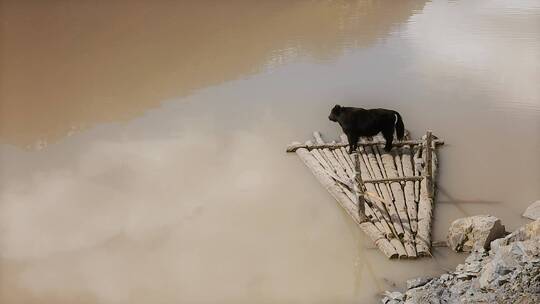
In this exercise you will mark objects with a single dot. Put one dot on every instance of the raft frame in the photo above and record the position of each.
(390, 195)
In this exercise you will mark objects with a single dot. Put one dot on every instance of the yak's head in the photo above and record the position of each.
(334, 114)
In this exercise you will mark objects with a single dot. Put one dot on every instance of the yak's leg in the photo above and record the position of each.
(388, 135)
(353, 143)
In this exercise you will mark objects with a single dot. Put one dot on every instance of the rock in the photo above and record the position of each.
(392, 297)
(445, 277)
(491, 272)
(533, 211)
(422, 295)
(508, 273)
(421, 281)
(527, 232)
(466, 275)
(477, 255)
(475, 231)
(505, 260)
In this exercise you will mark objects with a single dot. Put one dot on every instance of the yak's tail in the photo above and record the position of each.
(400, 128)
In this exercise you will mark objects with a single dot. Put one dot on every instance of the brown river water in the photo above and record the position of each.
(142, 143)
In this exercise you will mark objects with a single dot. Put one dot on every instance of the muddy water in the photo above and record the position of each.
(142, 145)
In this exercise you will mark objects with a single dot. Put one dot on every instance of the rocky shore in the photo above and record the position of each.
(501, 268)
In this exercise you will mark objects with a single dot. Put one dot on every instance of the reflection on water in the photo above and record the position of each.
(191, 198)
(68, 65)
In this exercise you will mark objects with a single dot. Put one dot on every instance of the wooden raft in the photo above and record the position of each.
(390, 195)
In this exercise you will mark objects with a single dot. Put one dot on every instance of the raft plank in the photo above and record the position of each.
(390, 208)
(399, 203)
(330, 185)
(412, 211)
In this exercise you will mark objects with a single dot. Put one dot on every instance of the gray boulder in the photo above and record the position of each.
(509, 272)
(474, 232)
(527, 232)
(394, 297)
(417, 282)
(533, 211)
(506, 259)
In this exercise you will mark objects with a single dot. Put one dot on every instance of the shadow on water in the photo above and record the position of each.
(459, 203)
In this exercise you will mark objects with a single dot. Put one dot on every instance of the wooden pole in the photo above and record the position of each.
(317, 154)
(359, 185)
(394, 179)
(345, 154)
(425, 204)
(423, 235)
(337, 168)
(365, 160)
(349, 206)
(347, 157)
(429, 164)
(321, 174)
(412, 211)
(399, 203)
(368, 159)
(397, 160)
(378, 155)
(417, 166)
(388, 199)
(380, 241)
(294, 146)
(344, 163)
(399, 248)
(328, 167)
(379, 151)
(379, 208)
(373, 218)
(378, 205)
